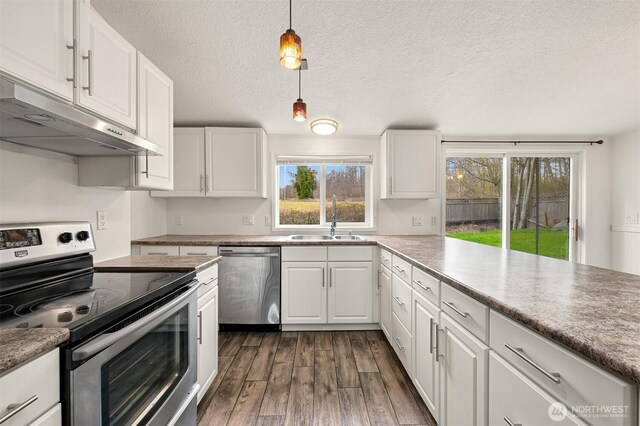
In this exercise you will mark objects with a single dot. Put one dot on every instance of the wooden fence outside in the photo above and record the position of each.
(552, 210)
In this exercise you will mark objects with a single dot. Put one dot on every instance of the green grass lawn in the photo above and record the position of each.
(552, 243)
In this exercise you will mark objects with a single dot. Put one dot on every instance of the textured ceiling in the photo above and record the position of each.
(465, 67)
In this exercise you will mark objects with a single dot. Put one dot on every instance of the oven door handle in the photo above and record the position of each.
(102, 342)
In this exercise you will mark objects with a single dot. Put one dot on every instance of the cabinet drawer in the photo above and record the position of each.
(160, 250)
(209, 279)
(39, 378)
(304, 254)
(401, 268)
(473, 315)
(385, 258)
(351, 254)
(426, 285)
(198, 250)
(53, 417)
(579, 382)
(401, 300)
(401, 342)
(513, 396)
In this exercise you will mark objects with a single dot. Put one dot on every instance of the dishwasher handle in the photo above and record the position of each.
(235, 254)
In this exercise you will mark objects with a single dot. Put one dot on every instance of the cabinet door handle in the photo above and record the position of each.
(378, 279)
(430, 335)
(146, 165)
(438, 354)
(89, 59)
(398, 343)
(456, 310)
(419, 284)
(324, 277)
(508, 421)
(196, 254)
(330, 277)
(16, 408)
(397, 299)
(200, 328)
(74, 49)
(157, 254)
(554, 377)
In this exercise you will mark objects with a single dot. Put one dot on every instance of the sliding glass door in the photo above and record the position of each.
(515, 200)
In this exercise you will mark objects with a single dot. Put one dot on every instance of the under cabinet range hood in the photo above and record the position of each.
(28, 117)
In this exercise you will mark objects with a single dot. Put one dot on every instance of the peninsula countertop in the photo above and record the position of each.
(593, 311)
(157, 263)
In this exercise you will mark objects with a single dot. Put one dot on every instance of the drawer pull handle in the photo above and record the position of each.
(196, 254)
(554, 377)
(157, 254)
(16, 408)
(399, 269)
(384, 259)
(456, 310)
(210, 281)
(400, 302)
(419, 283)
(398, 343)
(510, 423)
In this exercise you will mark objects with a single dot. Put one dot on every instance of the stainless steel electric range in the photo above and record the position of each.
(131, 354)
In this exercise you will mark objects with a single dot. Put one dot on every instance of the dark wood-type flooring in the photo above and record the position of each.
(310, 378)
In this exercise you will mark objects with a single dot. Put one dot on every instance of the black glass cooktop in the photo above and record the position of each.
(88, 302)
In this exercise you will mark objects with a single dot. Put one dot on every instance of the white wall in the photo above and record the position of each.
(224, 216)
(625, 202)
(148, 215)
(37, 185)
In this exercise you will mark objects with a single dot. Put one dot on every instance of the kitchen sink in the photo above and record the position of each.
(311, 237)
(349, 237)
(327, 237)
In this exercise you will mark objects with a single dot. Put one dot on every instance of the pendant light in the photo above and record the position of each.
(299, 107)
(290, 47)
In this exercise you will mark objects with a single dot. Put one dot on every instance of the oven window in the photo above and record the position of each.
(138, 380)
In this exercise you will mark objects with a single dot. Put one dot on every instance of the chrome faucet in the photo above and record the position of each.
(333, 215)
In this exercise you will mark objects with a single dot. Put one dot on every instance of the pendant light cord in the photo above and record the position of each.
(299, 81)
(290, 25)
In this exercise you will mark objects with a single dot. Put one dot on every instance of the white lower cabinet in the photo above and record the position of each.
(426, 373)
(304, 292)
(35, 383)
(207, 340)
(514, 399)
(50, 418)
(384, 282)
(350, 295)
(463, 375)
(318, 291)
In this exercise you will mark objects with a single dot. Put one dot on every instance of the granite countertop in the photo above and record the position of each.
(158, 263)
(18, 345)
(243, 240)
(593, 311)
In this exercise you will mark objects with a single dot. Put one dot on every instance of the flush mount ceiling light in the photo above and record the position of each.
(324, 126)
(290, 47)
(299, 107)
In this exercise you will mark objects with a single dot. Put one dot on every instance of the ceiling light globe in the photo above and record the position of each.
(290, 50)
(324, 126)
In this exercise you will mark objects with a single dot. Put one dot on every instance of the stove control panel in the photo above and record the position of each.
(36, 242)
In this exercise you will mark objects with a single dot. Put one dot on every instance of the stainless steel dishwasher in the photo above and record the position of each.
(249, 288)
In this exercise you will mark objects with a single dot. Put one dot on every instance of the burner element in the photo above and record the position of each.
(65, 316)
(5, 307)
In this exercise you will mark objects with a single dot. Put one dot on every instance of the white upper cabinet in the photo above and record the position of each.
(220, 162)
(34, 41)
(410, 162)
(107, 69)
(236, 162)
(155, 123)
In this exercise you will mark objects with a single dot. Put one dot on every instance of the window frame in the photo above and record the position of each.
(325, 223)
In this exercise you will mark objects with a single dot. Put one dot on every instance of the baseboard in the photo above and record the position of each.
(329, 327)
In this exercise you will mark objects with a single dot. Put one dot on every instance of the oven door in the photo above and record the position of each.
(142, 374)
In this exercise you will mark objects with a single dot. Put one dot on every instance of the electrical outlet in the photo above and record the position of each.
(267, 220)
(416, 220)
(631, 218)
(434, 221)
(179, 219)
(102, 219)
(248, 219)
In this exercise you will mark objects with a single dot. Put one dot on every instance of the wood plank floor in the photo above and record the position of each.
(310, 378)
